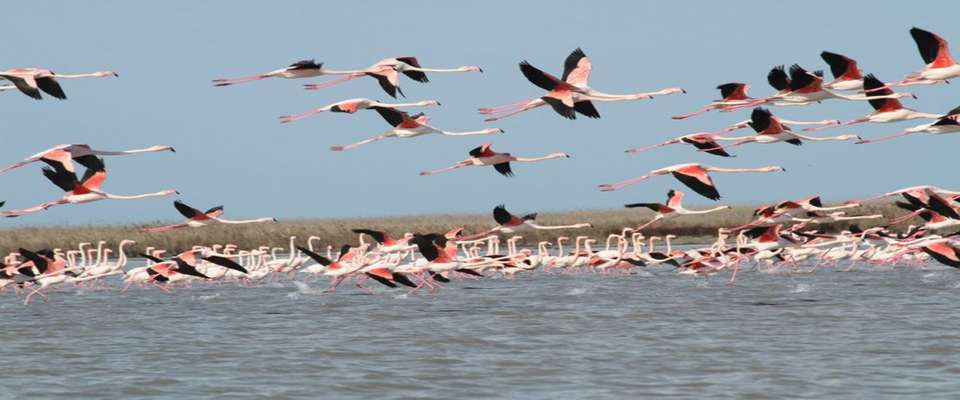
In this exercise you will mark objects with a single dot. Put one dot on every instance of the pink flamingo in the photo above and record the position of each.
(197, 218)
(80, 191)
(846, 74)
(65, 153)
(887, 110)
(935, 51)
(509, 223)
(731, 94)
(353, 105)
(568, 95)
(484, 155)
(672, 208)
(770, 130)
(406, 126)
(693, 175)
(30, 81)
(948, 123)
(387, 73)
(298, 70)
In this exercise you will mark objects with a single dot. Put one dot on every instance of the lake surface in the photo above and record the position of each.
(870, 333)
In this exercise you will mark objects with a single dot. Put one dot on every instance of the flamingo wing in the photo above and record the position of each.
(733, 91)
(50, 86)
(305, 65)
(698, 180)
(379, 236)
(708, 145)
(393, 116)
(539, 78)
(875, 87)
(504, 169)
(576, 68)
(387, 84)
(586, 108)
(777, 77)
(316, 257)
(185, 210)
(944, 253)
(418, 76)
(561, 108)
(27, 86)
(933, 48)
(841, 66)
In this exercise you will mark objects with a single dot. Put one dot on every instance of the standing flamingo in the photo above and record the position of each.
(846, 74)
(509, 223)
(30, 81)
(297, 70)
(484, 155)
(353, 105)
(948, 123)
(693, 175)
(405, 126)
(64, 153)
(387, 73)
(887, 110)
(672, 208)
(80, 191)
(197, 218)
(567, 95)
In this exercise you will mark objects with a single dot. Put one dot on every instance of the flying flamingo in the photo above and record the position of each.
(197, 218)
(770, 130)
(672, 208)
(509, 223)
(387, 73)
(693, 175)
(353, 105)
(567, 95)
(803, 88)
(30, 81)
(387, 243)
(846, 74)
(297, 70)
(406, 126)
(948, 123)
(64, 153)
(706, 141)
(484, 155)
(80, 191)
(887, 110)
(935, 51)
(731, 94)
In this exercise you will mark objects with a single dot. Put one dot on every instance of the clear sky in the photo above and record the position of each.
(231, 150)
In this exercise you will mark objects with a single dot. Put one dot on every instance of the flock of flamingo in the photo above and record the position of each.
(781, 235)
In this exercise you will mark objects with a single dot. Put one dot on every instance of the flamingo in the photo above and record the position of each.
(567, 95)
(770, 130)
(803, 88)
(297, 70)
(948, 123)
(693, 175)
(387, 73)
(672, 208)
(705, 141)
(407, 126)
(387, 243)
(887, 110)
(484, 155)
(731, 94)
(509, 223)
(80, 191)
(935, 52)
(197, 218)
(64, 153)
(847, 76)
(30, 81)
(353, 105)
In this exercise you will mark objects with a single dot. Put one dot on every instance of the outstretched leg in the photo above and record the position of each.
(361, 143)
(334, 82)
(460, 164)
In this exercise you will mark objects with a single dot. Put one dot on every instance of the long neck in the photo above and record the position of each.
(398, 105)
(134, 151)
(718, 208)
(546, 157)
(458, 69)
(574, 226)
(122, 258)
(467, 133)
(718, 169)
(244, 221)
(87, 75)
(139, 196)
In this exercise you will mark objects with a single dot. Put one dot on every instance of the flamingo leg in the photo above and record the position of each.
(885, 138)
(609, 187)
(360, 143)
(497, 109)
(234, 81)
(695, 113)
(334, 82)
(284, 119)
(508, 115)
(461, 164)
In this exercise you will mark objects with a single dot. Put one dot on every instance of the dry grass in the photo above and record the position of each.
(692, 229)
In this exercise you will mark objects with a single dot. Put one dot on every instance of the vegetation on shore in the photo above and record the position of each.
(689, 229)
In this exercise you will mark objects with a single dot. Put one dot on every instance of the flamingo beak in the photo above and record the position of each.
(173, 150)
(684, 91)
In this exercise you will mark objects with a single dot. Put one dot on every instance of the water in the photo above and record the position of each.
(864, 334)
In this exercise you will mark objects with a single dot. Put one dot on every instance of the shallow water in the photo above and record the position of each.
(864, 334)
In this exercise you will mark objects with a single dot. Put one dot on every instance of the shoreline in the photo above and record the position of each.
(694, 229)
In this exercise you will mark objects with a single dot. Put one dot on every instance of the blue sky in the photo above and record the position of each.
(232, 150)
